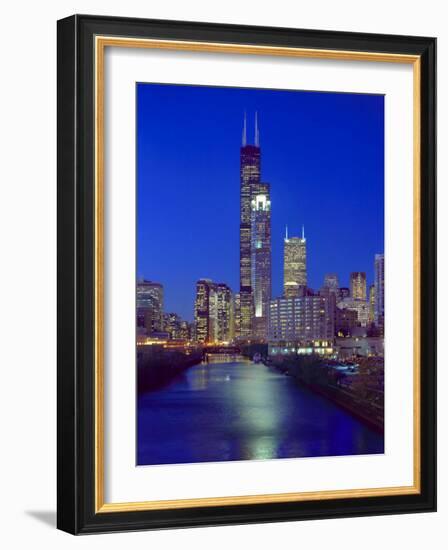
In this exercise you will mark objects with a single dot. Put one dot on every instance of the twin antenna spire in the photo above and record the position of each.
(257, 132)
(303, 233)
(257, 144)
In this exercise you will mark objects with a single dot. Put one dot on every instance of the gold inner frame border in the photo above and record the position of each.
(100, 44)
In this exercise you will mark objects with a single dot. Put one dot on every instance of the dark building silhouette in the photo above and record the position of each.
(343, 292)
(345, 321)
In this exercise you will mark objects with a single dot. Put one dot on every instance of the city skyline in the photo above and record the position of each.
(326, 251)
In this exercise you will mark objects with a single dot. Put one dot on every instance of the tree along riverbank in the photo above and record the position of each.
(359, 390)
(158, 366)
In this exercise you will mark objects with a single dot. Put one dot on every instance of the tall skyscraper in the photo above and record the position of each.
(204, 287)
(358, 288)
(261, 257)
(150, 306)
(225, 316)
(294, 267)
(379, 290)
(213, 312)
(255, 270)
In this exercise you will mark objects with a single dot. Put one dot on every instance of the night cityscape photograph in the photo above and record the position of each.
(260, 274)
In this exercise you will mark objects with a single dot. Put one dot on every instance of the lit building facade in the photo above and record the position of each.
(255, 243)
(185, 331)
(360, 306)
(379, 290)
(261, 258)
(202, 310)
(331, 299)
(359, 347)
(323, 347)
(172, 324)
(372, 304)
(358, 289)
(304, 318)
(225, 322)
(250, 166)
(214, 316)
(149, 298)
(294, 266)
(237, 314)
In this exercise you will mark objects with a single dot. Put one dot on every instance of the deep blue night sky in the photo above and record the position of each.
(322, 153)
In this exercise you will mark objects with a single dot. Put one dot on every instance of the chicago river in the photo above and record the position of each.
(233, 409)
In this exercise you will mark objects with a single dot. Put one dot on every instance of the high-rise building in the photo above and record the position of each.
(330, 291)
(300, 319)
(379, 290)
(331, 281)
(237, 314)
(343, 292)
(185, 331)
(358, 285)
(345, 321)
(250, 157)
(225, 314)
(172, 325)
(261, 258)
(330, 296)
(360, 306)
(255, 240)
(294, 266)
(201, 310)
(372, 304)
(149, 300)
(213, 312)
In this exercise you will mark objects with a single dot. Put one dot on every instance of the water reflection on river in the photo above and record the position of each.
(236, 410)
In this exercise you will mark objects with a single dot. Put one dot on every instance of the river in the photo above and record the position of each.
(237, 410)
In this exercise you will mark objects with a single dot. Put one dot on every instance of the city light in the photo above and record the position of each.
(301, 315)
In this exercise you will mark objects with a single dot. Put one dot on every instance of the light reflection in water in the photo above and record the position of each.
(236, 410)
(199, 382)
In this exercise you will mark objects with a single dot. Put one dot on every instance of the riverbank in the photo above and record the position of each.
(158, 366)
(237, 410)
(360, 393)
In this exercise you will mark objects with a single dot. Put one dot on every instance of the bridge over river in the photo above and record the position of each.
(221, 350)
(233, 409)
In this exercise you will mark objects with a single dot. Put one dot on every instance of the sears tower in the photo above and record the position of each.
(255, 242)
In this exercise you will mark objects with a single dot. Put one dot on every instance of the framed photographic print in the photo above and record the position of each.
(246, 274)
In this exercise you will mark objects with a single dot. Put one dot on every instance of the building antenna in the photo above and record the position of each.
(257, 133)
(244, 131)
(286, 234)
(303, 232)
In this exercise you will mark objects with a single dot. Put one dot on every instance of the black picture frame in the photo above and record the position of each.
(76, 256)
